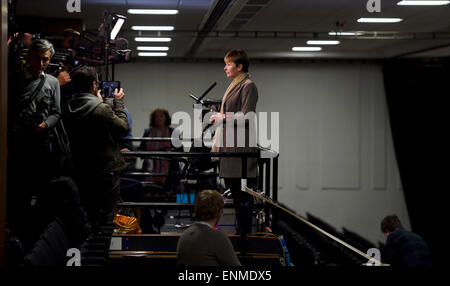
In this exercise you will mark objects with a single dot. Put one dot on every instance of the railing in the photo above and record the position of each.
(264, 164)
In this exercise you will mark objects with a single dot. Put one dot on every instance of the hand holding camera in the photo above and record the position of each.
(119, 94)
(109, 88)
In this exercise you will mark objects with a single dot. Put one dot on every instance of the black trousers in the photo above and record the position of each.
(29, 175)
(243, 203)
(99, 195)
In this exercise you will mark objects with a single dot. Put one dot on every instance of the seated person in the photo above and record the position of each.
(201, 244)
(404, 248)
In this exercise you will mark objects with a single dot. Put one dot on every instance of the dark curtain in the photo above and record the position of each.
(417, 91)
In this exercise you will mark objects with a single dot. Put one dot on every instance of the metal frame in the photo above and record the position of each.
(264, 164)
(364, 35)
(3, 125)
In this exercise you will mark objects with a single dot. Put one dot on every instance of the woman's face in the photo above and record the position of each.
(231, 69)
(160, 119)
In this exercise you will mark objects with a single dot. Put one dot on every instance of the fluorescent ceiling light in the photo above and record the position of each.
(152, 48)
(345, 33)
(152, 39)
(146, 54)
(152, 28)
(379, 20)
(306, 49)
(314, 42)
(422, 3)
(153, 11)
(117, 26)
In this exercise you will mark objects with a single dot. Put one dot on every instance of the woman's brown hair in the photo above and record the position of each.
(166, 115)
(238, 57)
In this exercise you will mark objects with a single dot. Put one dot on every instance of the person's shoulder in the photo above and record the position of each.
(104, 106)
(248, 81)
(205, 229)
(403, 235)
(403, 232)
(218, 234)
(51, 79)
(249, 84)
(101, 109)
(411, 236)
(193, 229)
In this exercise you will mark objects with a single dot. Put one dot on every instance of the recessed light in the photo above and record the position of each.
(152, 28)
(153, 11)
(314, 42)
(149, 54)
(152, 48)
(345, 33)
(306, 49)
(379, 20)
(152, 39)
(422, 3)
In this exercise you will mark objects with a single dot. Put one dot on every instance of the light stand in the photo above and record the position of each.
(111, 35)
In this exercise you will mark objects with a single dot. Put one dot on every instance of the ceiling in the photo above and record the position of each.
(269, 28)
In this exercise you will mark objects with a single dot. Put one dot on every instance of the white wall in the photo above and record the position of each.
(336, 153)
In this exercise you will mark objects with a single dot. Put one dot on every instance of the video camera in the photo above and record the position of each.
(72, 48)
(87, 48)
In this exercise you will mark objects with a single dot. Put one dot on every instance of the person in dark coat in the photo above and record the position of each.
(33, 113)
(404, 248)
(95, 130)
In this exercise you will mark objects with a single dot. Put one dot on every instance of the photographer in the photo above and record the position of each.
(95, 129)
(35, 95)
(33, 112)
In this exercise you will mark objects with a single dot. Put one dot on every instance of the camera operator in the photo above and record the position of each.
(95, 129)
(66, 44)
(34, 110)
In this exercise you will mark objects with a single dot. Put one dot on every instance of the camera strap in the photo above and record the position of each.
(32, 97)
